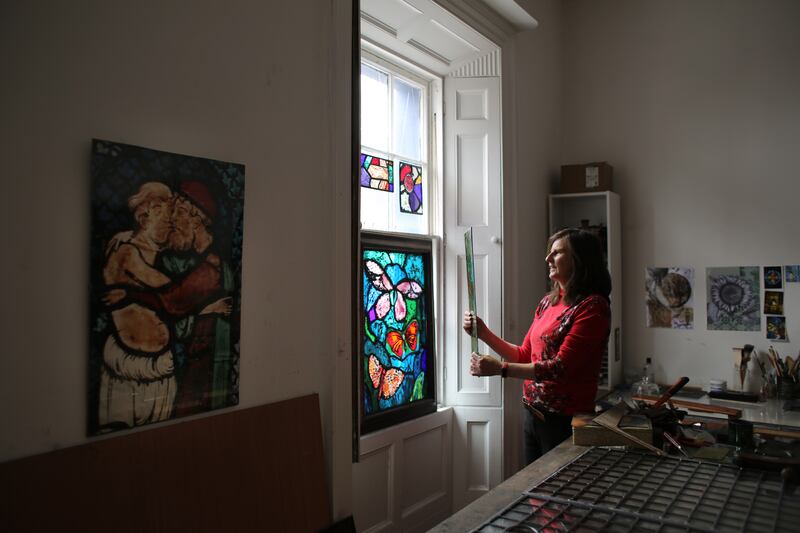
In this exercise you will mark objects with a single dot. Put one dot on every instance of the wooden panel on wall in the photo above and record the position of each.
(252, 469)
(373, 478)
(402, 481)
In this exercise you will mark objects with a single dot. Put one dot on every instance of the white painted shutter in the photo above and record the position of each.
(473, 197)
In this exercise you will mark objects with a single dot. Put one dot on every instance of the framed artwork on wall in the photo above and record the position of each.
(397, 354)
(165, 285)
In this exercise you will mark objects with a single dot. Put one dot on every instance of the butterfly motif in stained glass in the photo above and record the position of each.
(398, 342)
(394, 342)
(410, 188)
(385, 380)
(377, 173)
(391, 296)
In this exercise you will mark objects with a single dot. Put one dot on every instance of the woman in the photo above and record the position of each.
(561, 355)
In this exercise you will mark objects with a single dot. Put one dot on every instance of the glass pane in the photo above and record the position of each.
(410, 188)
(395, 340)
(376, 207)
(374, 108)
(376, 173)
(407, 110)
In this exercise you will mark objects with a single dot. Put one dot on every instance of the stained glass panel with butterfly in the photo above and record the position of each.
(396, 334)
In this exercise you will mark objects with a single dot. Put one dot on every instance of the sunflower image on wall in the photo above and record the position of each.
(733, 296)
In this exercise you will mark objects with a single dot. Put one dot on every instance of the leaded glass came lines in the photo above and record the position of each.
(377, 173)
(410, 188)
(395, 343)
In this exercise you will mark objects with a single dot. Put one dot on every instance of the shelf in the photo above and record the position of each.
(598, 209)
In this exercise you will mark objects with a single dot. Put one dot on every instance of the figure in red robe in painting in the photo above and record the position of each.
(204, 373)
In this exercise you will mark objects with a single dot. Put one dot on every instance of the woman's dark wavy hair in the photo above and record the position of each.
(589, 272)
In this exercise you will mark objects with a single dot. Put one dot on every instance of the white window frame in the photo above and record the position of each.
(431, 86)
(378, 57)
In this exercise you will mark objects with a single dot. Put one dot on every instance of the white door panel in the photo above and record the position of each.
(473, 185)
(477, 462)
(472, 178)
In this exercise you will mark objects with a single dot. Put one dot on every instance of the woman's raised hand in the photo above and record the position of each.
(471, 318)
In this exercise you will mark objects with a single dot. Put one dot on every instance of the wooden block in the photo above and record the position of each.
(586, 432)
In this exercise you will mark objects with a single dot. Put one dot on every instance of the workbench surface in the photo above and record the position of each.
(769, 413)
(488, 505)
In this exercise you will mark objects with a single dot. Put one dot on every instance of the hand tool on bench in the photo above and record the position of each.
(694, 406)
(672, 391)
(675, 444)
(610, 419)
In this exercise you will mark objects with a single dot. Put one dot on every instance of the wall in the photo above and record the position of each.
(696, 105)
(264, 84)
(532, 73)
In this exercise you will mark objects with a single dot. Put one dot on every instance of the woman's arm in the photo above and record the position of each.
(587, 336)
(506, 350)
(486, 365)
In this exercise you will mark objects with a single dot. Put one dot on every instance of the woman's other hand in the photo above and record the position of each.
(471, 318)
(484, 365)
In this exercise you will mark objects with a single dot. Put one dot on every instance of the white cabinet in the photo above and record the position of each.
(598, 210)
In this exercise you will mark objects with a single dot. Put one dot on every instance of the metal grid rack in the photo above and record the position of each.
(612, 490)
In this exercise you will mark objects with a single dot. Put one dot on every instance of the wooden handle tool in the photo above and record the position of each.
(672, 391)
(695, 406)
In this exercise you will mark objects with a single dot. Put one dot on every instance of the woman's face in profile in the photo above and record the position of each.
(559, 261)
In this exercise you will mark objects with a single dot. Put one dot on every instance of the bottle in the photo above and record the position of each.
(647, 385)
(647, 373)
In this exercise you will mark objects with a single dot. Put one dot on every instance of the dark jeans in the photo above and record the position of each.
(543, 436)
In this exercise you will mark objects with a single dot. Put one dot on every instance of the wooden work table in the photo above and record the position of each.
(769, 413)
(491, 503)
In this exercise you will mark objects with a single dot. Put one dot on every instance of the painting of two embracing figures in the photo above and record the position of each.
(166, 262)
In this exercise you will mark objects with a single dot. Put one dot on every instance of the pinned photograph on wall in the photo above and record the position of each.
(165, 285)
(773, 303)
(792, 273)
(776, 328)
(669, 298)
(733, 296)
(773, 279)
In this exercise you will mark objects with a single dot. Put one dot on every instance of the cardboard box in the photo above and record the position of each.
(589, 177)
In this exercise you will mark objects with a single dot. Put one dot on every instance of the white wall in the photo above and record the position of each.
(532, 89)
(260, 83)
(696, 104)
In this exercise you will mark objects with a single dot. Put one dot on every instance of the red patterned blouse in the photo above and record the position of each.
(566, 345)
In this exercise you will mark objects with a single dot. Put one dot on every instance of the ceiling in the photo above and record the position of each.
(430, 34)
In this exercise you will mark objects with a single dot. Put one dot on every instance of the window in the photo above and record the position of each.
(398, 377)
(394, 174)
(397, 364)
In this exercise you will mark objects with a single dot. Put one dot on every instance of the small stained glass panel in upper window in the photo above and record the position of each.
(377, 173)
(410, 188)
